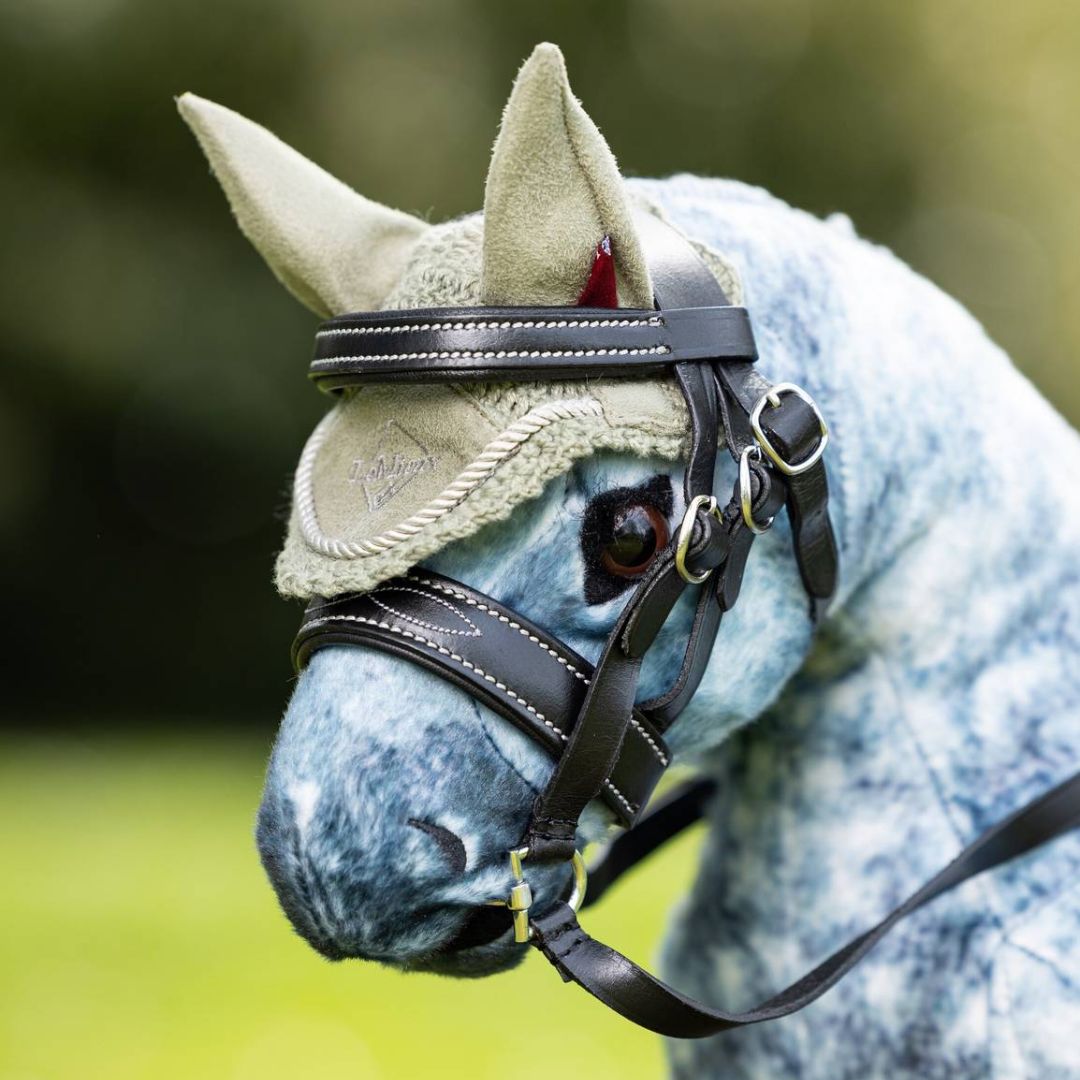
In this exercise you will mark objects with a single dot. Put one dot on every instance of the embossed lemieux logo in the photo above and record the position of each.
(397, 459)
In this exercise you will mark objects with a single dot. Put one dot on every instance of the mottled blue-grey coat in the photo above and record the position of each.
(943, 692)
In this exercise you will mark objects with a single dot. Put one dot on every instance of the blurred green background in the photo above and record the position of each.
(153, 402)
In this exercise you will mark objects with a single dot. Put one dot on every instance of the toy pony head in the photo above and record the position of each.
(393, 796)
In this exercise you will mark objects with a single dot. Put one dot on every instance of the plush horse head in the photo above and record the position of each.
(392, 796)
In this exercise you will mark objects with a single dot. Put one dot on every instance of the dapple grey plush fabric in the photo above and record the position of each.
(943, 692)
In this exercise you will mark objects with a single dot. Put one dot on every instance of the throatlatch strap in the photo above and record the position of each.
(635, 994)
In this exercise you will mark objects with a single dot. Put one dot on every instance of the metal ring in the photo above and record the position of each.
(520, 898)
(746, 501)
(686, 531)
(772, 397)
(577, 862)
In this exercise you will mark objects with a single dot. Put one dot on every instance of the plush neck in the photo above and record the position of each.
(946, 684)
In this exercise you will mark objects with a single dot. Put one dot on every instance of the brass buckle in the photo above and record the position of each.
(686, 531)
(772, 397)
(520, 898)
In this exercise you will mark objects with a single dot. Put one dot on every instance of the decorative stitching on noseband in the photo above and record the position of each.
(442, 650)
(503, 446)
(516, 324)
(473, 631)
(492, 613)
(494, 354)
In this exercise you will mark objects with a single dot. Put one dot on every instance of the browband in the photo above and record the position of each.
(605, 743)
(500, 343)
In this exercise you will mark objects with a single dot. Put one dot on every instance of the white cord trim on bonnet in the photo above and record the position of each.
(503, 446)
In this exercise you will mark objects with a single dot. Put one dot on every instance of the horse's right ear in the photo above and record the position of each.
(333, 249)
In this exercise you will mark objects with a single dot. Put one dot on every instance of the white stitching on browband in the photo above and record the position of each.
(505, 445)
(492, 613)
(517, 324)
(442, 650)
(500, 354)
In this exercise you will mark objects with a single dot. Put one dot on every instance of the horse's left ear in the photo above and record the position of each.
(553, 193)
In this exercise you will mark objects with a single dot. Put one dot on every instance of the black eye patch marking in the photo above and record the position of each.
(621, 532)
(450, 844)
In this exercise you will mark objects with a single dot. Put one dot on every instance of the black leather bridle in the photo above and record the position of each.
(606, 744)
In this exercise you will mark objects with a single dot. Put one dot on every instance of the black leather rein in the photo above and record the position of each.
(604, 742)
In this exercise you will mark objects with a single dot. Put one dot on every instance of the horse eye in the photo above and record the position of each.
(638, 532)
(623, 529)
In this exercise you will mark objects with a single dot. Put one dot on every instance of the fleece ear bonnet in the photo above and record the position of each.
(394, 473)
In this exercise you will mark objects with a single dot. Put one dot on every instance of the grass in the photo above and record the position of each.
(138, 939)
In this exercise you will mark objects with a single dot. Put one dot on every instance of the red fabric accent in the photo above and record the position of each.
(600, 289)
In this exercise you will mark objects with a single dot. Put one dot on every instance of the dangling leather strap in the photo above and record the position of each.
(634, 993)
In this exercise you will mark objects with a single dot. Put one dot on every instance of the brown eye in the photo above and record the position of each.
(638, 532)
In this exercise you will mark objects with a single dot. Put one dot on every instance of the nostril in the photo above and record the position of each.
(450, 844)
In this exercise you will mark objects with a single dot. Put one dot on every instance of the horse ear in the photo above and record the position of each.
(333, 249)
(553, 193)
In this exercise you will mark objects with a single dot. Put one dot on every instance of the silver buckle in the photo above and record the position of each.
(772, 397)
(686, 531)
(520, 898)
(746, 501)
